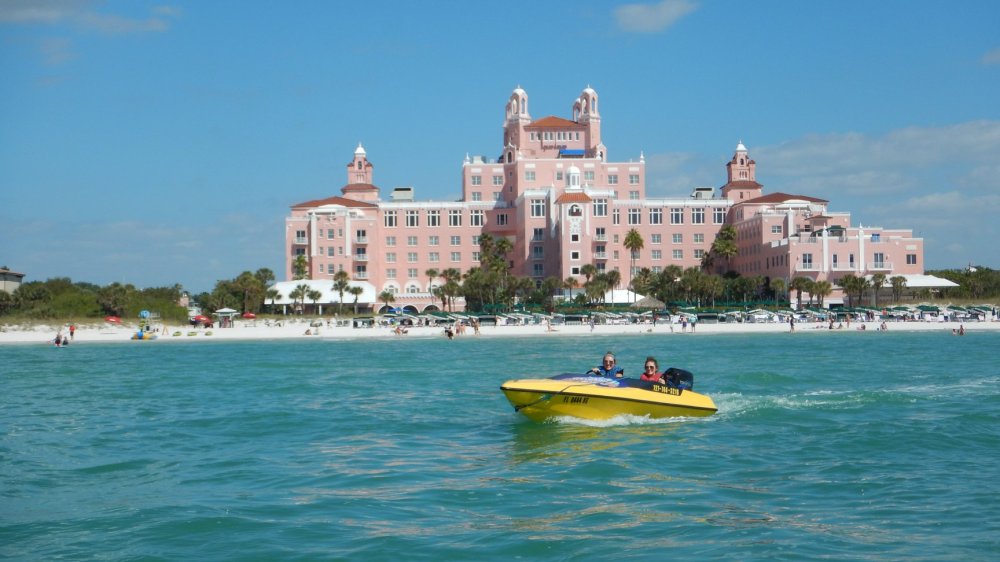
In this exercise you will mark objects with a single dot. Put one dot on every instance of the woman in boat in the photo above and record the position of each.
(651, 371)
(608, 368)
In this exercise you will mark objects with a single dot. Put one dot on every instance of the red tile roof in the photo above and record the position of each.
(336, 200)
(573, 197)
(552, 122)
(743, 184)
(779, 197)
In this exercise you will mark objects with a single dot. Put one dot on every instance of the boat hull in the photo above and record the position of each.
(598, 398)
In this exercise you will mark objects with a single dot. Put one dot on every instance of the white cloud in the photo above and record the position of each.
(81, 13)
(992, 57)
(652, 18)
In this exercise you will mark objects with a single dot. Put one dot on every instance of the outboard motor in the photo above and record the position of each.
(679, 378)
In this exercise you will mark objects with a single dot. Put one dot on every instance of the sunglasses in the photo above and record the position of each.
(650, 366)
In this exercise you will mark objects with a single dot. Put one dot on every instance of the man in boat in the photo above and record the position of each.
(608, 368)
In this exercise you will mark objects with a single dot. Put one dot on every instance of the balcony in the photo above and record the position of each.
(806, 267)
(600, 238)
(360, 257)
(360, 239)
(301, 240)
(361, 275)
(881, 266)
(600, 255)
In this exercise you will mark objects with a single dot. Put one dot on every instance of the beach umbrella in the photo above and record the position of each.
(113, 319)
(201, 318)
(249, 315)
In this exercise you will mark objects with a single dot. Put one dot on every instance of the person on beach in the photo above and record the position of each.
(72, 331)
(651, 370)
(608, 368)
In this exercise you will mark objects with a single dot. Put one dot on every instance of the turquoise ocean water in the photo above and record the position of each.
(848, 445)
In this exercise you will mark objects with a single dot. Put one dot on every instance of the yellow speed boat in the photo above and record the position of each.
(597, 398)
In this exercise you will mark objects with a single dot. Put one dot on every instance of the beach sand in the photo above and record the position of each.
(297, 328)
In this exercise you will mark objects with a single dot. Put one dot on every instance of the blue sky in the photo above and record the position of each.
(160, 143)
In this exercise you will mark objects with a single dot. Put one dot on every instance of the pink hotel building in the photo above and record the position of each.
(557, 197)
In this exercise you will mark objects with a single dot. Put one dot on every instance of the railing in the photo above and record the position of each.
(301, 240)
(600, 255)
(361, 275)
(360, 257)
(881, 265)
(360, 239)
(806, 267)
(601, 238)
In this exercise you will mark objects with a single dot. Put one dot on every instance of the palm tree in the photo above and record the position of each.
(273, 295)
(341, 282)
(898, 284)
(614, 278)
(356, 291)
(822, 290)
(724, 246)
(849, 284)
(431, 274)
(299, 293)
(314, 296)
(878, 281)
(778, 286)
(387, 297)
(798, 285)
(633, 243)
(571, 283)
(300, 267)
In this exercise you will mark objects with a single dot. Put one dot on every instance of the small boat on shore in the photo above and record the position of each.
(597, 398)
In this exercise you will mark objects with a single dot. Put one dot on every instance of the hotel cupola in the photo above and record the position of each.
(359, 178)
(741, 172)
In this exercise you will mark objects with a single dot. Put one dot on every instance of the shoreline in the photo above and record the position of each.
(296, 329)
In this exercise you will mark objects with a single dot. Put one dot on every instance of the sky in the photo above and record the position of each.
(160, 143)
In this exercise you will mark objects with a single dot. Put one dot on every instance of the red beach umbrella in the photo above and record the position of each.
(249, 315)
(113, 319)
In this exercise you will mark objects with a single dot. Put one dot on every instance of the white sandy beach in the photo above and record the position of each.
(296, 329)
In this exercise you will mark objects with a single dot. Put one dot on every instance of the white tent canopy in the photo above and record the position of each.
(330, 296)
(920, 281)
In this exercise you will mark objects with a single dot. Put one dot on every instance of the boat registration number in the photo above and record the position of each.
(575, 399)
(666, 389)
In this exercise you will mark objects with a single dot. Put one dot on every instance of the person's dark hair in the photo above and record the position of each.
(653, 359)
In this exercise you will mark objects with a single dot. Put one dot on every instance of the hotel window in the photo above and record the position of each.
(390, 257)
(390, 240)
(329, 234)
(476, 196)
(361, 272)
(614, 255)
(718, 216)
(477, 180)
(476, 256)
(699, 238)
(615, 238)
(656, 216)
(850, 261)
(361, 236)
(476, 218)
(600, 207)
(835, 260)
(600, 234)
(538, 270)
(331, 251)
(455, 217)
(635, 216)
(633, 179)
(411, 273)
(612, 179)
(411, 288)
(575, 270)
(538, 235)
(456, 256)
(390, 219)
(775, 229)
(911, 259)
(655, 238)
(433, 240)
(633, 195)
(433, 257)
(412, 218)
(502, 219)
(657, 269)
(496, 196)
(497, 180)
(475, 240)
(411, 240)
(537, 207)
(698, 254)
(677, 238)
(390, 273)
(807, 261)
(588, 175)
(559, 176)
(529, 175)
(574, 255)
(878, 260)
(876, 237)
(657, 255)
(698, 215)
(433, 218)
(456, 240)
(330, 269)
(411, 257)
(600, 250)
(676, 216)
(616, 217)
(300, 237)
(678, 254)
(537, 252)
